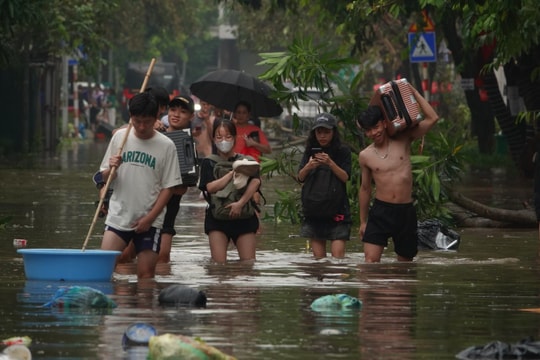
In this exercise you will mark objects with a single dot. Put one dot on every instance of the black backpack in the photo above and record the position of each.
(323, 194)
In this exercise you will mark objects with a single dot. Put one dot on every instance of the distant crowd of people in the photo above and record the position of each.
(97, 104)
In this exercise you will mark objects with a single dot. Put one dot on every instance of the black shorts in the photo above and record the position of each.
(397, 221)
(173, 206)
(232, 228)
(150, 240)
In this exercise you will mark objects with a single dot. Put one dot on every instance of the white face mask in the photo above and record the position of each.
(224, 146)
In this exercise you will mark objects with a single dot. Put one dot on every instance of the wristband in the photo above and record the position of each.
(98, 180)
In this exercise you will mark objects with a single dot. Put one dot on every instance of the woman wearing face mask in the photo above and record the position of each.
(240, 231)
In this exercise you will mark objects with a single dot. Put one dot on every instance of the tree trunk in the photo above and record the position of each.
(482, 121)
(25, 111)
(487, 216)
(513, 132)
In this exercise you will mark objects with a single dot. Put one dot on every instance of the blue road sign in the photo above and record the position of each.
(422, 47)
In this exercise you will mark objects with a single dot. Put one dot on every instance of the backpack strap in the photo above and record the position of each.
(216, 158)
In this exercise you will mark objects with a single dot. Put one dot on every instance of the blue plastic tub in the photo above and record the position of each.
(68, 265)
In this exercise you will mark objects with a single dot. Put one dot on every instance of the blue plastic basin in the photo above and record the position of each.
(68, 265)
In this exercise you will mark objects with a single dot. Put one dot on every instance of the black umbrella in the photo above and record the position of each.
(225, 88)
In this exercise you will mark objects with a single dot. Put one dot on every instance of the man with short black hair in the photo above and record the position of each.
(147, 170)
(386, 163)
(181, 112)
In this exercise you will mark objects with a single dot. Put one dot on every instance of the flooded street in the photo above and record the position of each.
(432, 308)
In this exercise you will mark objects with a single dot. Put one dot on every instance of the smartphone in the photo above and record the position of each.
(255, 136)
(316, 150)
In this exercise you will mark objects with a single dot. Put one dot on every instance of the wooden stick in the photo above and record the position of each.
(113, 170)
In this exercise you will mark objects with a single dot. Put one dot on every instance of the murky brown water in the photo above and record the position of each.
(430, 309)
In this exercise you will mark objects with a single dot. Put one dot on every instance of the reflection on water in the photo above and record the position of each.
(430, 309)
(387, 321)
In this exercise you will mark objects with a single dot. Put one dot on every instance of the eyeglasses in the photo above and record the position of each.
(226, 137)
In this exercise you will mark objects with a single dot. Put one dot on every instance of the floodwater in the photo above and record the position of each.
(432, 308)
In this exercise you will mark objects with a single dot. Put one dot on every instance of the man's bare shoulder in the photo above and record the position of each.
(366, 150)
(364, 154)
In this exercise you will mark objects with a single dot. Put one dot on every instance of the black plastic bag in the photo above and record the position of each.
(525, 349)
(180, 295)
(434, 235)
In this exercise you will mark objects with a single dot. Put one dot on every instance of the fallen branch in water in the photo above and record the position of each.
(471, 213)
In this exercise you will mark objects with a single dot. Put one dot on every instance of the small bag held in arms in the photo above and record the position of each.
(231, 192)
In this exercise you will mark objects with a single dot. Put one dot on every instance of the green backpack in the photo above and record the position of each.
(229, 194)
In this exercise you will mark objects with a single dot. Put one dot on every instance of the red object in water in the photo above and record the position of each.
(19, 243)
(17, 340)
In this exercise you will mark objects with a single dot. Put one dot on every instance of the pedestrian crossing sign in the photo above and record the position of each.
(422, 47)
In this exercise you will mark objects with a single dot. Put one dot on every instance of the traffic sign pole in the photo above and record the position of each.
(425, 81)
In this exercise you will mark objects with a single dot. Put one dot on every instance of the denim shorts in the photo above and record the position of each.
(326, 230)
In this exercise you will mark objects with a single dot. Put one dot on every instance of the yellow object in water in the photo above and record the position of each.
(169, 347)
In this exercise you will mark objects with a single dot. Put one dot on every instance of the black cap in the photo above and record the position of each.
(325, 120)
(184, 101)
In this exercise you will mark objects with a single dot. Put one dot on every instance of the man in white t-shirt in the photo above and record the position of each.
(146, 172)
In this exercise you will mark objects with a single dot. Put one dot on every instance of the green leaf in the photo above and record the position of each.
(419, 159)
(435, 186)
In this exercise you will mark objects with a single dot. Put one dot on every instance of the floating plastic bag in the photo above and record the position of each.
(138, 334)
(170, 347)
(17, 340)
(498, 350)
(16, 352)
(180, 295)
(80, 297)
(337, 302)
(434, 235)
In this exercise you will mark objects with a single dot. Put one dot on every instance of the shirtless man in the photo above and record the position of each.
(386, 163)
